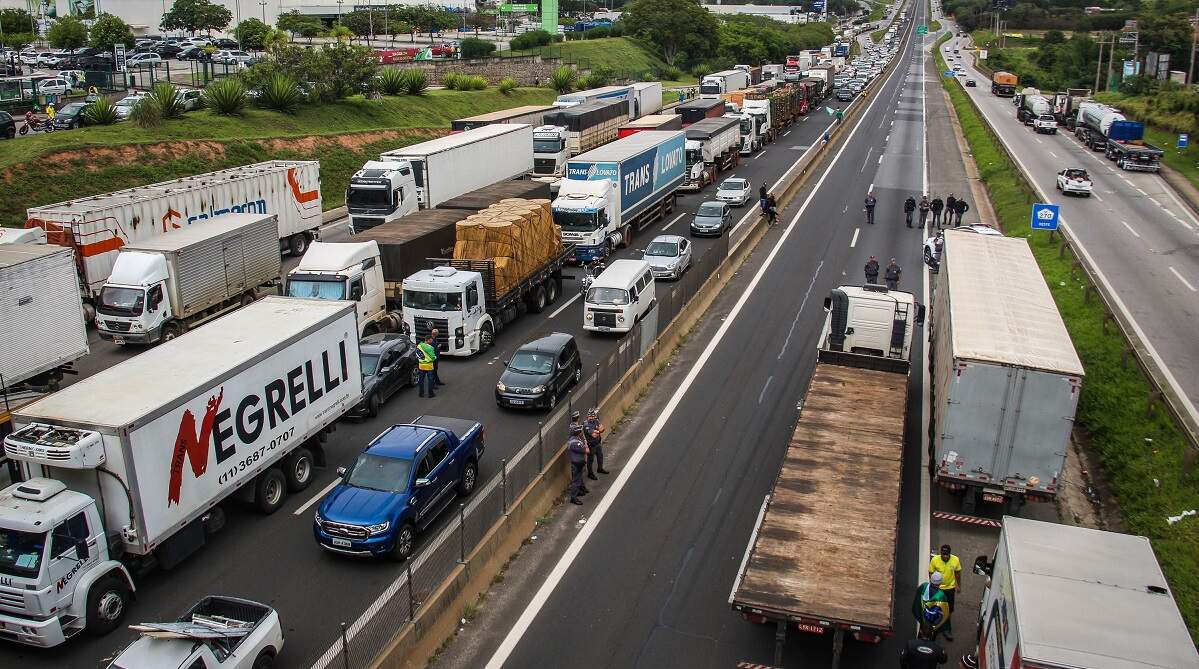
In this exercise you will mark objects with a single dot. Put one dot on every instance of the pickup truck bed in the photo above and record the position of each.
(823, 549)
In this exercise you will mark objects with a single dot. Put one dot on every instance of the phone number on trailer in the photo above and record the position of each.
(252, 459)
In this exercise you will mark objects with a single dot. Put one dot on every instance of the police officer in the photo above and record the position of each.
(950, 204)
(872, 270)
(937, 205)
(924, 206)
(870, 202)
(593, 431)
(892, 275)
(959, 209)
(909, 206)
(922, 653)
(576, 447)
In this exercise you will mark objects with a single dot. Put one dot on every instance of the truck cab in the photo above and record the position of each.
(750, 141)
(549, 150)
(380, 192)
(760, 110)
(872, 321)
(56, 576)
(134, 303)
(453, 302)
(588, 214)
(343, 271)
(398, 485)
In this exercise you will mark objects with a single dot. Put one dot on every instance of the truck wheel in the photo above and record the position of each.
(171, 331)
(405, 539)
(297, 468)
(551, 290)
(537, 300)
(247, 299)
(264, 661)
(969, 501)
(470, 476)
(626, 237)
(486, 337)
(372, 405)
(106, 604)
(270, 489)
(298, 244)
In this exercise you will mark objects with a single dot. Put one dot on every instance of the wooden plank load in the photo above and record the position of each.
(518, 234)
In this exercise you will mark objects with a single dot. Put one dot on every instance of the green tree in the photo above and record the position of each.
(476, 48)
(67, 33)
(1166, 33)
(362, 22)
(673, 27)
(109, 30)
(19, 40)
(298, 24)
(341, 33)
(16, 21)
(251, 33)
(196, 15)
(273, 39)
(349, 69)
(1054, 37)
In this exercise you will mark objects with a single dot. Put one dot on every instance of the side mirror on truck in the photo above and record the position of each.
(983, 566)
(920, 313)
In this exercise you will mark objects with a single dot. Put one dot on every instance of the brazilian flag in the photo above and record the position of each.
(931, 607)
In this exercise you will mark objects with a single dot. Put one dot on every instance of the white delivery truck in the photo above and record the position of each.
(713, 146)
(1063, 597)
(647, 99)
(604, 93)
(126, 469)
(1006, 377)
(163, 287)
(718, 83)
(98, 226)
(424, 175)
(573, 130)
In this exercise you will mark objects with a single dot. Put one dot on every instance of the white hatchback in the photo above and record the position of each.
(734, 191)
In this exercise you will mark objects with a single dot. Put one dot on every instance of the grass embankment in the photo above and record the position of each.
(1142, 457)
(44, 169)
(934, 27)
(623, 55)
(1164, 119)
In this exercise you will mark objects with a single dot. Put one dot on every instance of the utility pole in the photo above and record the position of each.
(1111, 57)
(1194, 35)
(1099, 65)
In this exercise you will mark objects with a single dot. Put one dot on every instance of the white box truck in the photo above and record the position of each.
(727, 81)
(647, 99)
(163, 287)
(1063, 597)
(424, 175)
(127, 469)
(97, 227)
(1006, 377)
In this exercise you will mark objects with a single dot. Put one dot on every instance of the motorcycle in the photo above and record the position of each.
(590, 272)
(34, 123)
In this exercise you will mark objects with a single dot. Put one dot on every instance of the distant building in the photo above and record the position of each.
(781, 13)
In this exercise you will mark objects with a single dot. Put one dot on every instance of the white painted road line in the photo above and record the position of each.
(1097, 196)
(1184, 281)
(880, 160)
(1134, 232)
(762, 394)
(760, 154)
(866, 159)
(317, 497)
(854, 242)
(1038, 140)
(564, 305)
(676, 220)
(786, 133)
(1053, 154)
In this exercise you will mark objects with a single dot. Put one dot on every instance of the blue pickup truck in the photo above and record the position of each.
(398, 485)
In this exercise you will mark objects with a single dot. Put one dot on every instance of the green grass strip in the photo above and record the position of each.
(1142, 452)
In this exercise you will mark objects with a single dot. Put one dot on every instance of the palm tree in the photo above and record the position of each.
(273, 39)
(341, 33)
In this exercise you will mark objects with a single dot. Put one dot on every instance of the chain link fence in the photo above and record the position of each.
(463, 528)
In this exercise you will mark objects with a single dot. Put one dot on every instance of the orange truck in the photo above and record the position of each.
(1004, 84)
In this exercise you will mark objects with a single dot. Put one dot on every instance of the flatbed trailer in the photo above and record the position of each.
(834, 509)
(508, 306)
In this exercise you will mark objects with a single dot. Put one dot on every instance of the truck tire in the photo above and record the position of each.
(298, 244)
(537, 300)
(247, 299)
(171, 330)
(405, 540)
(486, 337)
(297, 468)
(551, 290)
(270, 490)
(470, 477)
(626, 237)
(372, 405)
(107, 602)
(265, 660)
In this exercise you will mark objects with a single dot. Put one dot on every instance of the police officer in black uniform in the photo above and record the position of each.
(921, 653)
(593, 432)
(576, 447)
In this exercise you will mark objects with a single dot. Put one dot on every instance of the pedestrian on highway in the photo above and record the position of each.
(682, 97)
(871, 270)
(949, 567)
(436, 360)
(922, 653)
(909, 206)
(772, 208)
(924, 206)
(931, 608)
(426, 354)
(951, 203)
(937, 205)
(593, 431)
(576, 448)
(959, 210)
(762, 197)
(871, 201)
(824, 140)
(892, 275)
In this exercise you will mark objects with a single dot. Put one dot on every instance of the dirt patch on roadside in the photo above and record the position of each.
(1085, 499)
(354, 141)
(95, 158)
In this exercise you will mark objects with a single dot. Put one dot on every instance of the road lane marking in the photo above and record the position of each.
(676, 220)
(1134, 232)
(568, 558)
(1038, 140)
(866, 159)
(762, 394)
(1097, 197)
(1053, 154)
(760, 154)
(1184, 281)
(786, 133)
(880, 160)
(564, 305)
(854, 242)
(317, 497)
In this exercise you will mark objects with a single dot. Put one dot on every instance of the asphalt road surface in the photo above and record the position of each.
(1141, 237)
(645, 581)
(275, 559)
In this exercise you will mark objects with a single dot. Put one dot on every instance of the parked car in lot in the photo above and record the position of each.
(36, 58)
(225, 43)
(166, 50)
(539, 373)
(388, 362)
(712, 218)
(398, 485)
(734, 191)
(8, 127)
(55, 86)
(1074, 180)
(193, 53)
(124, 106)
(668, 256)
(191, 98)
(231, 57)
(143, 60)
(69, 117)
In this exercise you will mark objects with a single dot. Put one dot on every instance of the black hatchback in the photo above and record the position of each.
(8, 127)
(540, 372)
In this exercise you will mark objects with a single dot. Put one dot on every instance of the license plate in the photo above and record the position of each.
(604, 328)
(341, 543)
(992, 497)
(118, 340)
(809, 627)
(516, 402)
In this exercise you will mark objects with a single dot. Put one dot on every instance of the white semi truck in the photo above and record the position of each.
(717, 83)
(163, 287)
(573, 130)
(424, 175)
(126, 469)
(713, 146)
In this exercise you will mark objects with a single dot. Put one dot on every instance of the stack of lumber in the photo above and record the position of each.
(519, 235)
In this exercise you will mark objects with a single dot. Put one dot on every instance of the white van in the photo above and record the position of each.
(619, 297)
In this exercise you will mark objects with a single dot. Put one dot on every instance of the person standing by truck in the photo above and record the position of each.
(930, 607)
(426, 356)
(924, 207)
(593, 431)
(951, 203)
(959, 209)
(909, 206)
(871, 270)
(577, 450)
(922, 653)
(892, 275)
(436, 359)
(949, 567)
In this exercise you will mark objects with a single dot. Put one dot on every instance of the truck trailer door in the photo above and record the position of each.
(235, 265)
(1038, 426)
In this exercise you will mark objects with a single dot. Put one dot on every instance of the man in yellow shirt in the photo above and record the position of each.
(950, 568)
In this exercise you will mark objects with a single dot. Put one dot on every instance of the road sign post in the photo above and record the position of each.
(1183, 140)
(1046, 216)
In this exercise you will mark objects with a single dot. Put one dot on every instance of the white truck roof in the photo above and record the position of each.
(1083, 599)
(335, 257)
(456, 140)
(1000, 309)
(213, 227)
(154, 380)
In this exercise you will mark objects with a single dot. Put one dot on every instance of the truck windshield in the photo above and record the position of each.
(116, 301)
(430, 301)
(316, 289)
(547, 145)
(376, 472)
(694, 156)
(615, 296)
(576, 221)
(710, 89)
(21, 552)
(358, 196)
(746, 126)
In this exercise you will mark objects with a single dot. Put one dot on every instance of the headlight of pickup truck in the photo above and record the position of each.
(316, 518)
(501, 387)
(378, 529)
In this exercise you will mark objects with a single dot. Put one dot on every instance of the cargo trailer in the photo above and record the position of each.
(697, 110)
(526, 114)
(651, 122)
(573, 130)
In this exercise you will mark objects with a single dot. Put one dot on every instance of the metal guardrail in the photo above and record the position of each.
(1165, 386)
